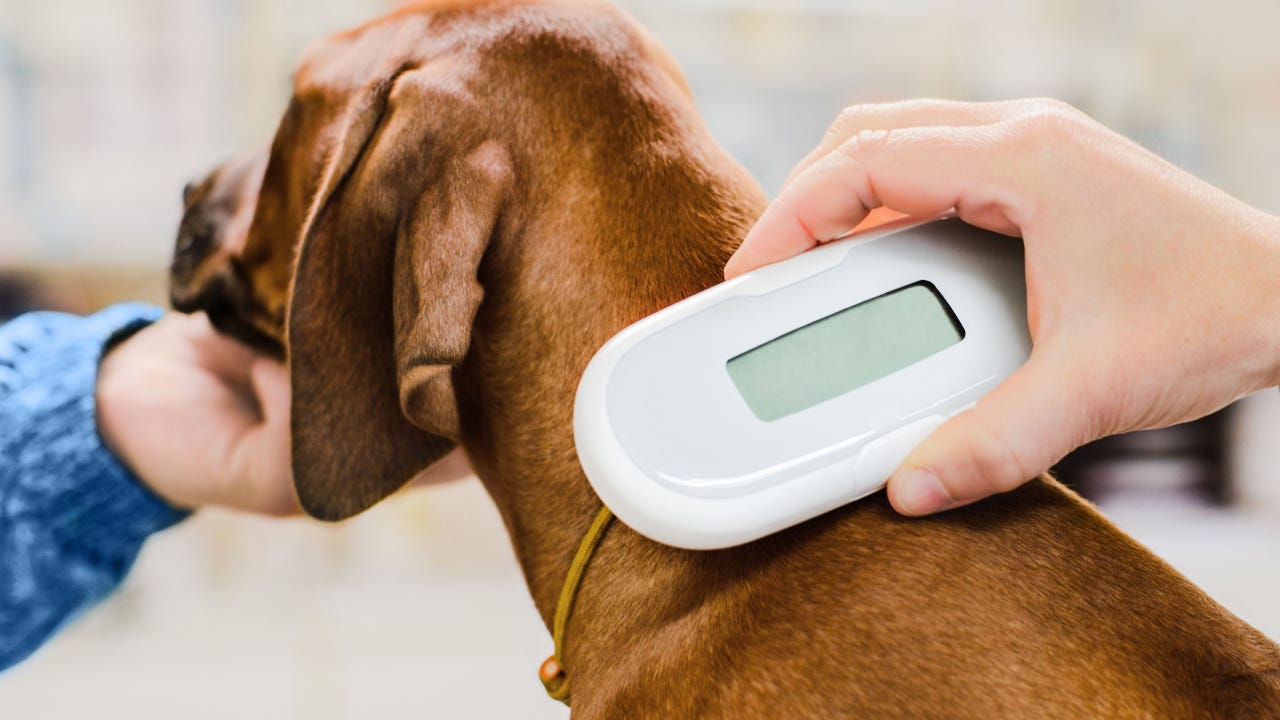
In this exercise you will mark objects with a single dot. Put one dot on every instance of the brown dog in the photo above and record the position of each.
(481, 194)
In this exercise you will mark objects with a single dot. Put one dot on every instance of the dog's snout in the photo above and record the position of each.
(196, 259)
(226, 299)
(206, 272)
(196, 242)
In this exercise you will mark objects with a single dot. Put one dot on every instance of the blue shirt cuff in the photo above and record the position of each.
(72, 516)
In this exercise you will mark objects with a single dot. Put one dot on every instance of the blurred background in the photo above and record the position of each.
(417, 608)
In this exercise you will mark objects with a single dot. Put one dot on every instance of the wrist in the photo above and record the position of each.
(56, 463)
(112, 418)
(122, 415)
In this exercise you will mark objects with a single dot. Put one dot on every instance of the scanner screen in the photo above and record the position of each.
(845, 351)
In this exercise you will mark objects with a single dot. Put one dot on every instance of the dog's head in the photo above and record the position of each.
(208, 271)
(353, 246)
(390, 193)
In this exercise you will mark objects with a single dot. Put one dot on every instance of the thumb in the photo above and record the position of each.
(1014, 433)
(262, 475)
(271, 385)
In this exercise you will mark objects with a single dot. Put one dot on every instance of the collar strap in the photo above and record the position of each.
(552, 672)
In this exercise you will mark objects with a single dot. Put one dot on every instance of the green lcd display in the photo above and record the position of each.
(844, 351)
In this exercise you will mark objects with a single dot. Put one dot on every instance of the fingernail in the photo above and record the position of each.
(919, 492)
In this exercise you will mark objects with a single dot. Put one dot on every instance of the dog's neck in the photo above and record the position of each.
(647, 615)
(521, 444)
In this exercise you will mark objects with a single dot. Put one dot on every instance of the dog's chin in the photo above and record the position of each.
(216, 303)
(180, 297)
(232, 325)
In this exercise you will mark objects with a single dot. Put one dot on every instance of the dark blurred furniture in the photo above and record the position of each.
(1190, 458)
(17, 295)
(77, 289)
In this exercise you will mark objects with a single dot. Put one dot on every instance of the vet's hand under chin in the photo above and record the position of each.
(1152, 296)
(453, 466)
(199, 417)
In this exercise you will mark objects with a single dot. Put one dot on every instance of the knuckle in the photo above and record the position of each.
(1048, 133)
(1050, 104)
(1048, 120)
(848, 114)
(846, 122)
(863, 145)
(940, 108)
(854, 117)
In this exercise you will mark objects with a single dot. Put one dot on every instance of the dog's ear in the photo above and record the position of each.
(385, 291)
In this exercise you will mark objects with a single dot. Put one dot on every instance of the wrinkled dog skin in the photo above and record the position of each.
(462, 203)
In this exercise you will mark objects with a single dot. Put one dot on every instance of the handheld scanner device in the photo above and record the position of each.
(801, 386)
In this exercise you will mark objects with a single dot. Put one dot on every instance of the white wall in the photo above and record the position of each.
(106, 108)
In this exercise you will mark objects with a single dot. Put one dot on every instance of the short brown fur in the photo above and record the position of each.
(482, 193)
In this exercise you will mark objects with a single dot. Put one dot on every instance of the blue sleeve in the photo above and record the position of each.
(72, 517)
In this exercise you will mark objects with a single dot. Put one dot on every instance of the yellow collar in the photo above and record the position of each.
(552, 672)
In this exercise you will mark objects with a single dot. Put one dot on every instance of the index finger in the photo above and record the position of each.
(920, 112)
(920, 171)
